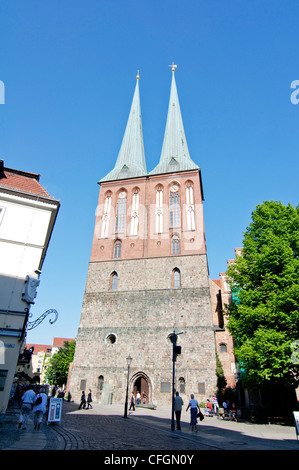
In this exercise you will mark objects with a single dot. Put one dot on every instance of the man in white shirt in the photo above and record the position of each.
(178, 402)
(28, 400)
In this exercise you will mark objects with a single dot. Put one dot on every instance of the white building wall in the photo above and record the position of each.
(25, 228)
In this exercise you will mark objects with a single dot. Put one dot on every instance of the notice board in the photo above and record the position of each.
(55, 408)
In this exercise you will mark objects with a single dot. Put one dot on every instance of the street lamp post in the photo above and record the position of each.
(175, 350)
(129, 360)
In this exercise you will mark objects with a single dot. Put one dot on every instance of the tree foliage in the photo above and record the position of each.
(264, 314)
(58, 368)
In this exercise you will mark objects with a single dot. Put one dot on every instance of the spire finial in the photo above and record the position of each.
(138, 76)
(173, 67)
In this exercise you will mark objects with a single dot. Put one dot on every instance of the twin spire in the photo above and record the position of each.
(175, 155)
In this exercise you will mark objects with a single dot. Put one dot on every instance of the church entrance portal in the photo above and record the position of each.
(141, 385)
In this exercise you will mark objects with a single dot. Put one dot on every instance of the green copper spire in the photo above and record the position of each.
(175, 154)
(130, 162)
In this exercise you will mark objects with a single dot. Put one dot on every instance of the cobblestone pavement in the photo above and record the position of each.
(104, 428)
(86, 429)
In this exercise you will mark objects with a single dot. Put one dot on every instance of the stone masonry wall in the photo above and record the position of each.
(139, 316)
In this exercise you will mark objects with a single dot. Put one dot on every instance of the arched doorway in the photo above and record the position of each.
(141, 383)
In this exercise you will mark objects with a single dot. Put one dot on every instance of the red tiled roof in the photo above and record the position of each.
(22, 181)
(217, 281)
(39, 347)
(59, 342)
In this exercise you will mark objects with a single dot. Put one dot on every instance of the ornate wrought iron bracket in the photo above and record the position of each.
(34, 324)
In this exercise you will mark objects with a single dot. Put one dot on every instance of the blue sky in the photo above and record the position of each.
(69, 72)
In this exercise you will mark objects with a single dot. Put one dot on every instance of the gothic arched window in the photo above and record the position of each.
(113, 280)
(176, 277)
(182, 385)
(159, 210)
(121, 212)
(134, 213)
(106, 216)
(174, 207)
(190, 206)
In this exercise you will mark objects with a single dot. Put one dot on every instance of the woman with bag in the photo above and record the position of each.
(194, 406)
(39, 408)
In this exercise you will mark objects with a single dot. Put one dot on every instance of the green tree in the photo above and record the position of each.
(264, 314)
(58, 368)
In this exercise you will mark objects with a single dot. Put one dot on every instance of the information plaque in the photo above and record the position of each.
(55, 407)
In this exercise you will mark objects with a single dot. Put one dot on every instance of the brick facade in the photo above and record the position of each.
(136, 315)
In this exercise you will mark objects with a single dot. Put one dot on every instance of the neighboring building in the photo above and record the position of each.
(27, 218)
(59, 343)
(221, 296)
(148, 275)
(36, 369)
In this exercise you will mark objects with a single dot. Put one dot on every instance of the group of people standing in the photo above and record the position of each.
(137, 399)
(229, 409)
(195, 412)
(212, 405)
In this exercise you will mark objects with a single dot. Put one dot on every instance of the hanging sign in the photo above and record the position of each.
(55, 407)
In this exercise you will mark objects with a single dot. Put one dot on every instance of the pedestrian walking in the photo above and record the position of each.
(89, 399)
(193, 405)
(83, 401)
(178, 403)
(215, 404)
(138, 398)
(39, 408)
(132, 404)
(27, 402)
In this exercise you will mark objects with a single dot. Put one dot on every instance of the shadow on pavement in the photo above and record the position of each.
(144, 431)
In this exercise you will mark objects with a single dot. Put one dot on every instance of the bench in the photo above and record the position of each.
(208, 412)
(223, 414)
(275, 419)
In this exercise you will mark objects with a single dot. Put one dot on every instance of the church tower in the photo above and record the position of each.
(148, 275)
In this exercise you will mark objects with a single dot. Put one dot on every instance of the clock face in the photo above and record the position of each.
(174, 189)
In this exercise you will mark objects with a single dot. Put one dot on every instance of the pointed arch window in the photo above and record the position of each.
(117, 249)
(134, 213)
(176, 277)
(175, 244)
(190, 207)
(113, 280)
(159, 210)
(121, 212)
(182, 385)
(106, 216)
(174, 207)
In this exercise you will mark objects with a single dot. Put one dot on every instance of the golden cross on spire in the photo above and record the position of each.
(138, 75)
(173, 67)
